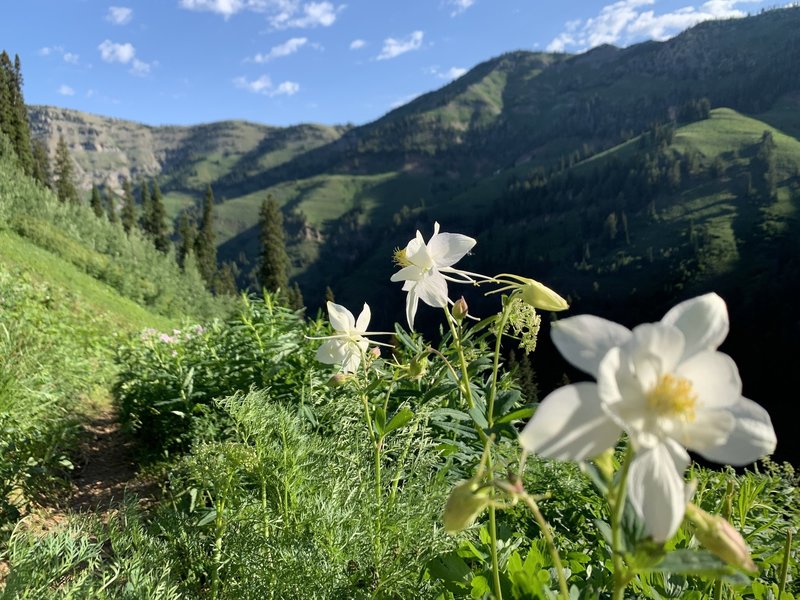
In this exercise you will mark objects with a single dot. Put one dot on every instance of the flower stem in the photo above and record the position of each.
(551, 544)
(617, 505)
(465, 387)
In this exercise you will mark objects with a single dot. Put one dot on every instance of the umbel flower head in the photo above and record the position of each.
(426, 268)
(666, 386)
(349, 344)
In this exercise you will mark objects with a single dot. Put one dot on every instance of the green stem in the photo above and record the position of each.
(785, 565)
(551, 544)
(501, 325)
(466, 389)
(621, 575)
(498, 591)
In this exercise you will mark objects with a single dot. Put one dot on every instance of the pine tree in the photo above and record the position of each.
(41, 163)
(64, 184)
(146, 207)
(205, 249)
(96, 202)
(128, 213)
(13, 112)
(294, 297)
(157, 228)
(225, 281)
(273, 270)
(111, 205)
(187, 234)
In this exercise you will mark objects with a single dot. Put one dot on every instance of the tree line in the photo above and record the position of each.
(142, 209)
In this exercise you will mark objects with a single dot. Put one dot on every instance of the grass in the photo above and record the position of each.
(100, 300)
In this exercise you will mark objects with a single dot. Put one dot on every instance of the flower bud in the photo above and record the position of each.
(460, 309)
(540, 296)
(338, 380)
(463, 506)
(418, 367)
(375, 351)
(721, 538)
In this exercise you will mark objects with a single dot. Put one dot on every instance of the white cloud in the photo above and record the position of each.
(287, 88)
(119, 15)
(459, 6)
(71, 58)
(263, 85)
(282, 14)
(315, 14)
(140, 68)
(111, 52)
(627, 21)
(401, 101)
(47, 50)
(453, 73)
(393, 47)
(289, 47)
(65, 90)
(357, 44)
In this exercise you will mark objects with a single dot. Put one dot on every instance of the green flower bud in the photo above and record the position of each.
(338, 380)
(460, 309)
(418, 367)
(720, 537)
(463, 506)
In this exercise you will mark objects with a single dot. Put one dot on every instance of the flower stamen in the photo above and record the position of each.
(673, 397)
(400, 258)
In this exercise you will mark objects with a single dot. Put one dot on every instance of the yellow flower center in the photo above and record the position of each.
(673, 397)
(400, 258)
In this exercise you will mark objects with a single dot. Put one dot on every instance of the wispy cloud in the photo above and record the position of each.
(402, 101)
(357, 44)
(263, 85)
(65, 90)
(459, 6)
(281, 14)
(119, 15)
(393, 47)
(627, 21)
(68, 57)
(112, 52)
(288, 47)
(449, 74)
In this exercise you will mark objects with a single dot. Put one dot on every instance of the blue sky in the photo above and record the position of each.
(283, 62)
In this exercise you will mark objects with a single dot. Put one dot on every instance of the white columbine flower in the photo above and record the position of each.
(349, 344)
(668, 388)
(426, 268)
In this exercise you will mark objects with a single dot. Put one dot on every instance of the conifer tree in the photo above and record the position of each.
(225, 281)
(156, 222)
(41, 163)
(111, 206)
(64, 184)
(205, 249)
(146, 207)
(96, 202)
(128, 213)
(187, 234)
(13, 112)
(273, 270)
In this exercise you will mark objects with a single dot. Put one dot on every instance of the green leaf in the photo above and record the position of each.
(400, 418)
(209, 516)
(380, 421)
(480, 587)
(505, 401)
(520, 413)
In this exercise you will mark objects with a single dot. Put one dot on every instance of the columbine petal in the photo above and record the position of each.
(332, 352)
(363, 319)
(709, 428)
(410, 273)
(715, 379)
(585, 339)
(570, 425)
(654, 350)
(341, 319)
(446, 249)
(433, 290)
(703, 321)
(657, 490)
(412, 301)
(752, 437)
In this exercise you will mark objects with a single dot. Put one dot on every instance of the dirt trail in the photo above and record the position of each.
(105, 469)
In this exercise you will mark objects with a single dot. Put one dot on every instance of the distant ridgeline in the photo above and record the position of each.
(625, 178)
